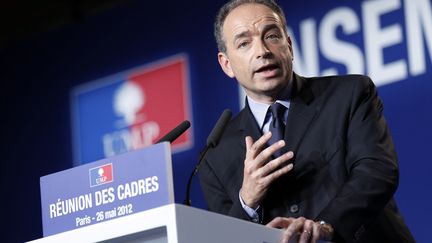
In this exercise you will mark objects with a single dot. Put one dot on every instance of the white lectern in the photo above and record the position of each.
(171, 223)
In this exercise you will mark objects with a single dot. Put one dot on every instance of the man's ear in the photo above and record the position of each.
(225, 64)
(290, 46)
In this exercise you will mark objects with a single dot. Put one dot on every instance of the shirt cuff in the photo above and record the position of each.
(252, 213)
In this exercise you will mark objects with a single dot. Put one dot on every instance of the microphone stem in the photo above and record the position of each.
(187, 200)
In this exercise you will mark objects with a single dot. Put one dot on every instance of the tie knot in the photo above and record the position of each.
(278, 111)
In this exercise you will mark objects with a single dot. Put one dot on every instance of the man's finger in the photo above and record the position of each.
(307, 231)
(270, 178)
(276, 174)
(248, 142)
(315, 232)
(267, 153)
(276, 163)
(258, 145)
(293, 229)
(280, 222)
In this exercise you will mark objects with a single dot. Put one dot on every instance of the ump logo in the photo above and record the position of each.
(101, 175)
(131, 110)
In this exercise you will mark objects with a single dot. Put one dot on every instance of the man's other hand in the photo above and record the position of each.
(302, 230)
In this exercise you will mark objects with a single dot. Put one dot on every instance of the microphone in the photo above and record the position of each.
(212, 141)
(175, 133)
(216, 133)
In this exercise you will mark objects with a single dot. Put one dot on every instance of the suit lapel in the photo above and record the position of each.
(248, 125)
(301, 113)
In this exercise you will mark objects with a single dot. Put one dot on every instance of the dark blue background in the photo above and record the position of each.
(38, 75)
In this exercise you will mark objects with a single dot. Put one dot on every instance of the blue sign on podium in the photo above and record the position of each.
(107, 189)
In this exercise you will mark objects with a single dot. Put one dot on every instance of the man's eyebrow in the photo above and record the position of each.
(247, 33)
(269, 27)
(241, 35)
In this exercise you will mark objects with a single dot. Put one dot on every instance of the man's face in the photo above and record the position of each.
(258, 51)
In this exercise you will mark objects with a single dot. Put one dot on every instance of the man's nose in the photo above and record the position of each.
(262, 51)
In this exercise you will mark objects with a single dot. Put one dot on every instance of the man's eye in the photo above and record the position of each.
(273, 36)
(242, 44)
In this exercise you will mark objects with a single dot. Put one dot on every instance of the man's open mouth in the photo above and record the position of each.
(266, 68)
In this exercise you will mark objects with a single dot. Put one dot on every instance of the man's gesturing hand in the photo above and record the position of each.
(258, 174)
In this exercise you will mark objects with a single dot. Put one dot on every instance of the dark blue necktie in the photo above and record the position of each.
(277, 126)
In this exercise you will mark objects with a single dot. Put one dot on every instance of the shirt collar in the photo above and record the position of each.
(259, 110)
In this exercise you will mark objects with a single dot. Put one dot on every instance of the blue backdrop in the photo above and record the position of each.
(390, 40)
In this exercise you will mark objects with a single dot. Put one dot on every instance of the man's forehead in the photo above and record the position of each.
(250, 16)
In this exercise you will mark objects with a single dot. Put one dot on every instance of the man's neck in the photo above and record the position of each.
(269, 99)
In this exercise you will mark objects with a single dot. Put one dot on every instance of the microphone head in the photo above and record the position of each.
(175, 133)
(216, 133)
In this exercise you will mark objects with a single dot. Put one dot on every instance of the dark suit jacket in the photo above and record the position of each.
(345, 167)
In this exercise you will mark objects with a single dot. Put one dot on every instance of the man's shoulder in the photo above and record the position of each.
(340, 80)
(338, 84)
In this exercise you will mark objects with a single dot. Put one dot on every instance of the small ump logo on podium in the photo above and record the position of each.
(101, 175)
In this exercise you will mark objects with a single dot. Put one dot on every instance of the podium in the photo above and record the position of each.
(172, 223)
(130, 198)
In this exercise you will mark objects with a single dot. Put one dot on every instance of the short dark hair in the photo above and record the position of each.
(231, 5)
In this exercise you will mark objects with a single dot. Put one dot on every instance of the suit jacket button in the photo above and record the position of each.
(294, 208)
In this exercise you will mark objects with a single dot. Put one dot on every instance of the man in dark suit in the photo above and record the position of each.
(311, 155)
